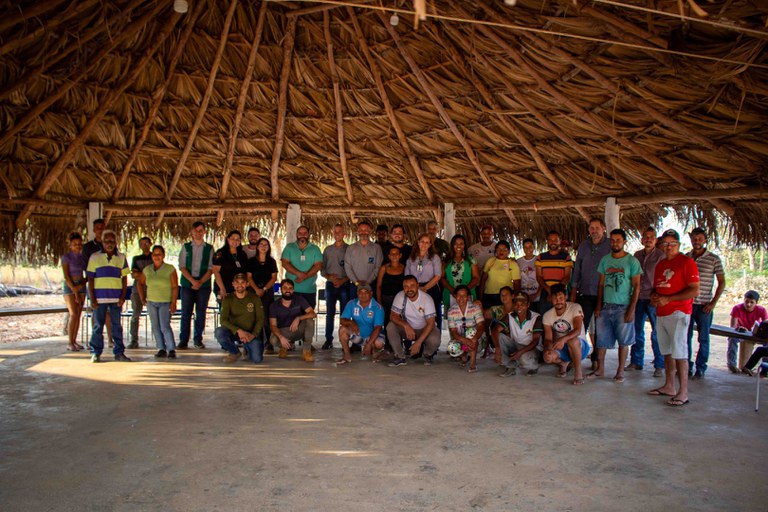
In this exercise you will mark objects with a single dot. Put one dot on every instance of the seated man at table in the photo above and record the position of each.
(413, 319)
(743, 318)
(362, 324)
(564, 338)
(291, 319)
(242, 318)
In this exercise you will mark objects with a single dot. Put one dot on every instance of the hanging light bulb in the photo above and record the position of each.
(510, 2)
(180, 6)
(394, 20)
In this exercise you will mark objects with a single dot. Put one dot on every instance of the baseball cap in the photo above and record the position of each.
(364, 286)
(520, 296)
(671, 232)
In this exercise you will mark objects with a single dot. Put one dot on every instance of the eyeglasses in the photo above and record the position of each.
(669, 244)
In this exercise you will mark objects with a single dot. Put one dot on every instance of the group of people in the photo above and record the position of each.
(392, 297)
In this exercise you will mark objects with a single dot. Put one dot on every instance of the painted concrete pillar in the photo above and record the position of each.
(450, 221)
(95, 211)
(611, 214)
(292, 222)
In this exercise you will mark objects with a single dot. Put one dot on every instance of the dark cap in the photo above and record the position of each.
(698, 231)
(521, 296)
(752, 294)
(240, 275)
(671, 232)
(364, 286)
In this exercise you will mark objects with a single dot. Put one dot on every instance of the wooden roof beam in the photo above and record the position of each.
(241, 99)
(401, 138)
(338, 107)
(72, 81)
(157, 99)
(61, 164)
(21, 14)
(282, 106)
(491, 101)
(203, 106)
(598, 122)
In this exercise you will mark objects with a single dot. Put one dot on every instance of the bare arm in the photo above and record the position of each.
(718, 292)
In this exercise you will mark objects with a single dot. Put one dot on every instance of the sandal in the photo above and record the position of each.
(472, 369)
(578, 382)
(343, 361)
(747, 371)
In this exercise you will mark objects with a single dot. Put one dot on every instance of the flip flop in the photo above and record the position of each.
(618, 379)
(677, 403)
(594, 375)
(471, 370)
(658, 392)
(578, 382)
(343, 361)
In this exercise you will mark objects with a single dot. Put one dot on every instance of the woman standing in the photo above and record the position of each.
(426, 266)
(459, 269)
(498, 272)
(228, 261)
(159, 291)
(390, 282)
(73, 265)
(262, 274)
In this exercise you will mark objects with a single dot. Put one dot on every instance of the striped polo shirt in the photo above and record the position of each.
(107, 274)
(709, 266)
(553, 266)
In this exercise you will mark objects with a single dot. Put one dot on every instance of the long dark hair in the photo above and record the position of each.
(415, 251)
(225, 248)
(452, 252)
(269, 251)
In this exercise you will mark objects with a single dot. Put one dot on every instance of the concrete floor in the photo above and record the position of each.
(196, 434)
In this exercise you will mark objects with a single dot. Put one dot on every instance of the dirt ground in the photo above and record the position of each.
(199, 435)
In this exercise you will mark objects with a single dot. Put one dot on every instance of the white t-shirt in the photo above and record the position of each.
(481, 253)
(416, 311)
(528, 282)
(563, 324)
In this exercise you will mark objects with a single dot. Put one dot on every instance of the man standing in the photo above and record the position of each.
(137, 265)
(648, 257)
(564, 337)
(552, 267)
(89, 249)
(528, 282)
(617, 294)
(442, 248)
(196, 266)
(291, 319)
(585, 278)
(710, 267)
(302, 261)
(516, 332)
(382, 236)
(397, 237)
(485, 249)
(253, 242)
(363, 258)
(107, 282)
(675, 284)
(242, 318)
(413, 318)
(336, 281)
(362, 324)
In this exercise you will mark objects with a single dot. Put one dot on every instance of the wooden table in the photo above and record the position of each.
(721, 330)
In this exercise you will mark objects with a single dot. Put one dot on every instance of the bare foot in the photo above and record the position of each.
(594, 375)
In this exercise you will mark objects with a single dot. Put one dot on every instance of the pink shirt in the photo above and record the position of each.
(747, 319)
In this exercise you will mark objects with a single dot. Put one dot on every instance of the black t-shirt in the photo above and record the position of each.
(262, 271)
(286, 315)
(141, 261)
(90, 249)
(231, 265)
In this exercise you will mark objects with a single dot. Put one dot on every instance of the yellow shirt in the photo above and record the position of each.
(500, 273)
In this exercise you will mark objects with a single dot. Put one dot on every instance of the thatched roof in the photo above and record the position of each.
(527, 115)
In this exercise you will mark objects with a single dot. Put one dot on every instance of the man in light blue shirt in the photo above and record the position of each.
(361, 323)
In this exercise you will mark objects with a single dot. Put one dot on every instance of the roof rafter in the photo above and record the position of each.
(64, 160)
(203, 106)
(282, 106)
(338, 107)
(33, 11)
(227, 176)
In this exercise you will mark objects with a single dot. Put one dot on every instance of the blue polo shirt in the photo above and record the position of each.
(366, 318)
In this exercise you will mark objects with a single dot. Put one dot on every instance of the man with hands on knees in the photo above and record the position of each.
(362, 323)
(413, 318)
(291, 319)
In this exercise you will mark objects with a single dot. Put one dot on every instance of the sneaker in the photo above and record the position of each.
(307, 356)
(269, 349)
(133, 344)
(733, 369)
(161, 353)
(199, 345)
(283, 353)
(182, 346)
(658, 372)
(328, 345)
(428, 360)
(398, 362)
(122, 358)
(231, 358)
(532, 372)
(172, 354)
(508, 372)
(95, 358)
(698, 375)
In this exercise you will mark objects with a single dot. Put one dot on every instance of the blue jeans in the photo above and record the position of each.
(703, 322)
(228, 341)
(97, 336)
(160, 318)
(611, 327)
(333, 294)
(197, 300)
(637, 355)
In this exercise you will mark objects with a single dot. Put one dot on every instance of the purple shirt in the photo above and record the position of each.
(76, 262)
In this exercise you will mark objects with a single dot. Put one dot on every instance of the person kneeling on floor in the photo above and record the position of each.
(564, 338)
(517, 332)
(466, 325)
(242, 318)
(362, 324)
(291, 319)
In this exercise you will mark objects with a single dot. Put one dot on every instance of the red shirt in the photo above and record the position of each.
(671, 277)
(747, 319)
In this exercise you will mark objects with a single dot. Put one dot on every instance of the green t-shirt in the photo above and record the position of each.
(618, 274)
(303, 261)
(246, 313)
(159, 282)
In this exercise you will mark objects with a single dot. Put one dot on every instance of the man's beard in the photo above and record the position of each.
(288, 295)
